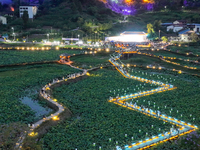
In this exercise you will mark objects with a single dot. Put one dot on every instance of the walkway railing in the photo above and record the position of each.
(44, 93)
(184, 127)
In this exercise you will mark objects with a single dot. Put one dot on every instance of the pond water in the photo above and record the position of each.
(33, 104)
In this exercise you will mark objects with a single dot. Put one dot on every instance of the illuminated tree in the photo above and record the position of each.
(164, 38)
(150, 29)
(151, 32)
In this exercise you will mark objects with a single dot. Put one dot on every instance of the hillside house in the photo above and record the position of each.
(32, 11)
(3, 20)
(177, 25)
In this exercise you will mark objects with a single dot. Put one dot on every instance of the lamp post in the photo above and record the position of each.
(78, 39)
(95, 35)
(48, 37)
(13, 32)
(14, 36)
(13, 29)
(159, 34)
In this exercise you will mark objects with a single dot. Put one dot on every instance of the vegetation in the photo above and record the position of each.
(9, 134)
(91, 60)
(185, 48)
(164, 38)
(180, 103)
(27, 56)
(16, 81)
(94, 118)
(97, 120)
(25, 18)
(90, 18)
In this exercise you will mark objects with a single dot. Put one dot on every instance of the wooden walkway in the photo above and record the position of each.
(184, 128)
(46, 96)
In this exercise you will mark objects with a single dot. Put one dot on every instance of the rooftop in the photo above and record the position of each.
(183, 31)
(133, 32)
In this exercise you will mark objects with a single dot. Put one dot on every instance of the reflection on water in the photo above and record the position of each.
(40, 111)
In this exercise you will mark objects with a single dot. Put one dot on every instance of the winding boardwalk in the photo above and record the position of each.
(45, 95)
(184, 127)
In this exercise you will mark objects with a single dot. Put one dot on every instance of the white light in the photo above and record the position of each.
(128, 38)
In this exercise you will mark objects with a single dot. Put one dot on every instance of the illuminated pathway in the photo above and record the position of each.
(44, 93)
(184, 128)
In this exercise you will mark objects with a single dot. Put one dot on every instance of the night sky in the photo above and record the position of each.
(6, 1)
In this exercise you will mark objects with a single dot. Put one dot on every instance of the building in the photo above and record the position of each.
(3, 20)
(32, 11)
(195, 27)
(185, 35)
(177, 25)
(129, 36)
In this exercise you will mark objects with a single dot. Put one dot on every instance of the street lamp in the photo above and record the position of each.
(48, 37)
(13, 29)
(159, 34)
(95, 37)
(13, 32)
(14, 36)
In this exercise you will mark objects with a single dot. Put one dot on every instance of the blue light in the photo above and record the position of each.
(126, 146)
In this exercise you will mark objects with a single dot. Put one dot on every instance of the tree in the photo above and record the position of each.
(151, 32)
(78, 5)
(194, 37)
(73, 7)
(157, 25)
(150, 29)
(40, 2)
(164, 38)
(1, 6)
(25, 17)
